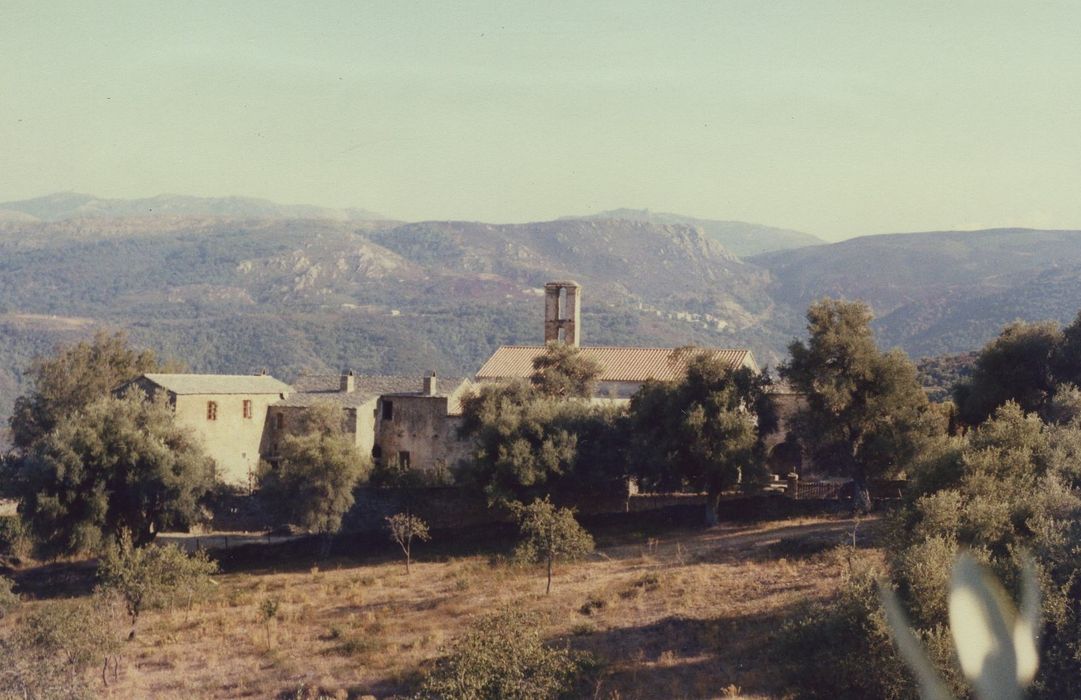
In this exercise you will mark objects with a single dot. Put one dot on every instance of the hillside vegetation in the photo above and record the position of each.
(238, 285)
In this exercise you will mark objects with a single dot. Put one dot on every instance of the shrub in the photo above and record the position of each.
(8, 598)
(53, 647)
(502, 657)
(153, 577)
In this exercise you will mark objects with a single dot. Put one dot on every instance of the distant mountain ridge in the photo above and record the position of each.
(939, 292)
(743, 239)
(234, 287)
(74, 205)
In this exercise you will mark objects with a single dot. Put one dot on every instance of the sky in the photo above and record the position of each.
(835, 118)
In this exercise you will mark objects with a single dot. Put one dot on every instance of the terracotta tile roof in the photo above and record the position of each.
(219, 383)
(619, 364)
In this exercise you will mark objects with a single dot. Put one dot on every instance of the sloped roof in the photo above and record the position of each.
(618, 364)
(219, 383)
(316, 388)
(451, 387)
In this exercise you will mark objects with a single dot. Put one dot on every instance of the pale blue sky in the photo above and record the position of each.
(834, 118)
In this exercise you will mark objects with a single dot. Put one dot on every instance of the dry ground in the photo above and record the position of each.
(675, 614)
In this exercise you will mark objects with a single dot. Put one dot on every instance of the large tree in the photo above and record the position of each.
(1019, 365)
(865, 414)
(702, 431)
(74, 377)
(119, 463)
(318, 468)
(528, 445)
(562, 371)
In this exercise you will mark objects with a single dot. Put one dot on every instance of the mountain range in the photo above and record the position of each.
(238, 285)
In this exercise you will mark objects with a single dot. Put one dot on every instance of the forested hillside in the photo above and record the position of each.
(232, 293)
(942, 292)
(295, 295)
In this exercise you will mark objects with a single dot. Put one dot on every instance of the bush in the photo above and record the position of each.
(51, 650)
(8, 598)
(15, 538)
(502, 657)
(842, 649)
(153, 577)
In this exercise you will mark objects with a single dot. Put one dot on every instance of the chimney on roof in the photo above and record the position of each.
(430, 386)
(348, 383)
(562, 309)
(261, 373)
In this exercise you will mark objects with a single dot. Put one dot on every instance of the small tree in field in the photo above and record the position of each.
(403, 528)
(153, 577)
(549, 534)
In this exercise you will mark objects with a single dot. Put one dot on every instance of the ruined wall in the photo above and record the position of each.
(357, 422)
(420, 426)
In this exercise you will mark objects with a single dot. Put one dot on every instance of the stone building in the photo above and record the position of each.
(420, 428)
(623, 369)
(228, 412)
(406, 418)
(357, 396)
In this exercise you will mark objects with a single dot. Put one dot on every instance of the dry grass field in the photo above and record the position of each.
(674, 613)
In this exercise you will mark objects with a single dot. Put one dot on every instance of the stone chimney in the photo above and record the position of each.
(348, 383)
(430, 385)
(562, 311)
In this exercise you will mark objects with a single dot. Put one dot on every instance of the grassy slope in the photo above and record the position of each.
(675, 614)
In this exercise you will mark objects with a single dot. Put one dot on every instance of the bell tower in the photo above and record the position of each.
(562, 310)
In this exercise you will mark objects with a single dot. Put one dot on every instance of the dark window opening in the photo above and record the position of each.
(388, 410)
(281, 421)
(403, 459)
(212, 410)
(377, 452)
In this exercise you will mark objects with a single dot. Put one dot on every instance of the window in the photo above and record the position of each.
(403, 459)
(247, 408)
(280, 421)
(388, 410)
(377, 453)
(212, 410)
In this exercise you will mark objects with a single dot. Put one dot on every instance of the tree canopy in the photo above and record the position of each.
(865, 414)
(527, 444)
(549, 534)
(702, 431)
(1019, 365)
(562, 371)
(317, 469)
(74, 377)
(119, 463)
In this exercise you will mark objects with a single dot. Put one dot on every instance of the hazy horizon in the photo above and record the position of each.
(829, 118)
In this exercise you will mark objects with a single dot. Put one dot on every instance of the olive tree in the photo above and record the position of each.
(703, 431)
(117, 464)
(318, 468)
(563, 371)
(865, 414)
(549, 534)
(76, 376)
